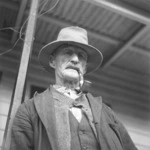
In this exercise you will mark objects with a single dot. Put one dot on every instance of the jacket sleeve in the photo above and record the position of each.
(22, 131)
(121, 131)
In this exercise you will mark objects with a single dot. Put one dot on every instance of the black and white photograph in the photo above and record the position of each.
(74, 74)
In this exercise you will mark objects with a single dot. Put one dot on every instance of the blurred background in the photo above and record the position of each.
(119, 28)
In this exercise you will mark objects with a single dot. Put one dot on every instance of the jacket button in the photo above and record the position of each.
(84, 147)
(82, 132)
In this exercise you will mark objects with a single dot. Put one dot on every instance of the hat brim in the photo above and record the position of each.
(95, 57)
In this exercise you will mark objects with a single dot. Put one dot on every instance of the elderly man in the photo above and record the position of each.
(64, 117)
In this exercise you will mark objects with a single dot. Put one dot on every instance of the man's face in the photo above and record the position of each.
(68, 61)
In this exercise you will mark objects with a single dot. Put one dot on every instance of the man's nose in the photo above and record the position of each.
(75, 58)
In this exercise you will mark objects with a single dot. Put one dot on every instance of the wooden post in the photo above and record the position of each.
(20, 82)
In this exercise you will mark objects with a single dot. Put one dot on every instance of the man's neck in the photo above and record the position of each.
(68, 84)
(73, 94)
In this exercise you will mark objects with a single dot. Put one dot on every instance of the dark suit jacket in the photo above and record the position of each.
(34, 126)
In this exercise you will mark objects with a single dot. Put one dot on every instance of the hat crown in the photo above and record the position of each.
(75, 34)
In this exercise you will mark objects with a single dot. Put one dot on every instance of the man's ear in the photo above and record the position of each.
(52, 61)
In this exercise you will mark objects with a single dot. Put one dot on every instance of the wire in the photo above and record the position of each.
(9, 50)
(50, 8)
(43, 4)
(20, 33)
(11, 28)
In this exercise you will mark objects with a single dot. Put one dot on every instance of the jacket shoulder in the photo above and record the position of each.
(109, 113)
(28, 106)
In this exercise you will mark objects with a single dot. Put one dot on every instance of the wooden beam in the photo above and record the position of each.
(124, 9)
(19, 20)
(20, 82)
(127, 45)
(141, 51)
(129, 11)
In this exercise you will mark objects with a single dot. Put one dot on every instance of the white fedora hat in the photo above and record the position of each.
(72, 36)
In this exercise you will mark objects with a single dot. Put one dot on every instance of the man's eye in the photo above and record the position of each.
(69, 52)
(82, 55)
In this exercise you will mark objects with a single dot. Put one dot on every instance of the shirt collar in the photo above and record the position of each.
(81, 101)
(73, 94)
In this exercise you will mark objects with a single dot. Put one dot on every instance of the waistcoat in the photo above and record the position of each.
(82, 135)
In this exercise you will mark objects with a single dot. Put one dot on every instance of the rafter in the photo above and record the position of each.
(127, 11)
(123, 9)
(139, 50)
(127, 45)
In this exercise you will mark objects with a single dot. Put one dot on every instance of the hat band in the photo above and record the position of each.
(73, 36)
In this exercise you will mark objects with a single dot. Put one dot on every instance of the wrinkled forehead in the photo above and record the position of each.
(72, 47)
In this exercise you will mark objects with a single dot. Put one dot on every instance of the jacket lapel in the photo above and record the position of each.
(96, 108)
(45, 108)
(101, 124)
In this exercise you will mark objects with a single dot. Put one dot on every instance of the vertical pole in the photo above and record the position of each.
(20, 82)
